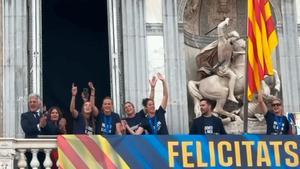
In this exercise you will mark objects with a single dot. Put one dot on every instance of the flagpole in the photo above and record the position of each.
(245, 99)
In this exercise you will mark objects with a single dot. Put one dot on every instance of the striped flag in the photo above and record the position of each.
(262, 40)
(83, 151)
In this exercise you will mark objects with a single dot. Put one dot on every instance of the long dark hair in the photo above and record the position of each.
(91, 118)
(60, 114)
(145, 101)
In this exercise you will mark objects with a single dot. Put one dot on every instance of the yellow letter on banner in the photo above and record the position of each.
(294, 155)
(237, 150)
(172, 154)
(212, 154)
(200, 162)
(276, 145)
(226, 145)
(186, 154)
(248, 145)
(263, 155)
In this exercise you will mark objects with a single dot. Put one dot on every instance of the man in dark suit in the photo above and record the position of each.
(32, 123)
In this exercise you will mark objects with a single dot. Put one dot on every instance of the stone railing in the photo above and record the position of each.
(12, 152)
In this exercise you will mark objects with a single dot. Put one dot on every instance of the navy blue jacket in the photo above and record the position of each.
(29, 125)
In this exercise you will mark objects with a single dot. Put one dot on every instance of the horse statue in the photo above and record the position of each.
(270, 89)
(216, 88)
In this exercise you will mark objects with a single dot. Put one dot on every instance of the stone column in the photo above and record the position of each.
(1, 70)
(177, 111)
(14, 65)
(289, 60)
(35, 47)
(134, 51)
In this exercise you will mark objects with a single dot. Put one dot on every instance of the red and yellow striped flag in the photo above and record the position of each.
(262, 40)
(84, 152)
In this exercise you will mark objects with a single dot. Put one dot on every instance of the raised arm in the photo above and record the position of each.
(222, 42)
(221, 28)
(262, 104)
(72, 104)
(152, 83)
(277, 83)
(92, 99)
(164, 101)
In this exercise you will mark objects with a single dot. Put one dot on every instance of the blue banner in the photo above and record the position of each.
(213, 151)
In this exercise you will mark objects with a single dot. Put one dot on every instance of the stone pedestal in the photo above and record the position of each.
(257, 127)
(235, 127)
(254, 127)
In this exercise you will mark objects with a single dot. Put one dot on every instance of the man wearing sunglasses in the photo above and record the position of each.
(277, 123)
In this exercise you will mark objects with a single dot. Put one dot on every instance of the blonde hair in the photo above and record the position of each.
(277, 99)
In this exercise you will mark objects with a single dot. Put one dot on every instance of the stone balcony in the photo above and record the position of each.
(12, 152)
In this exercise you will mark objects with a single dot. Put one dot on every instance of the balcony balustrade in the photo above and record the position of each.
(12, 152)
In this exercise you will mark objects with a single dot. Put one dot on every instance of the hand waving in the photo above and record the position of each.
(161, 77)
(91, 85)
(153, 81)
(74, 90)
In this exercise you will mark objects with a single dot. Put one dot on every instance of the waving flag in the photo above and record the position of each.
(262, 40)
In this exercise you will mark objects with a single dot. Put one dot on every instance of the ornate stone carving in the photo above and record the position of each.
(197, 41)
(192, 9)
(7, 153)
(223, 6)
(181, 4)
(6, 149)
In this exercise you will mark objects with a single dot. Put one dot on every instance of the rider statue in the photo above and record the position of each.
(216, 57)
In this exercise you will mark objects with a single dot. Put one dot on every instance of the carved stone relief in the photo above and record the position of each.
(7, 153)
(200, 16)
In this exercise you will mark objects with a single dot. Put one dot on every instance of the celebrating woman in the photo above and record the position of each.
(156, 118)
(84, 121)
(109, 122)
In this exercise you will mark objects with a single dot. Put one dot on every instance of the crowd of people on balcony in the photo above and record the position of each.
(104, 121)
(91, 120)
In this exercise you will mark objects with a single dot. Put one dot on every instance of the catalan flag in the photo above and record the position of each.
(84, 152)
(262, 40)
